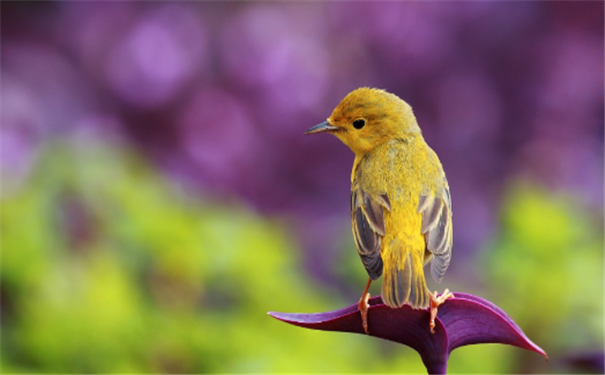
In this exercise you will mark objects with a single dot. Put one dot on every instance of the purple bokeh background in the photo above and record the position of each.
(218, 94)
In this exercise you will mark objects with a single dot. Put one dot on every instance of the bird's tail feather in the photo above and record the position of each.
(403, 278)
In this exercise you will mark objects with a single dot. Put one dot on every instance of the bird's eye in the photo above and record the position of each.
(358, 124)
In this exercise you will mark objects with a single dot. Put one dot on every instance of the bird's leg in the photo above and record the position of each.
(364, 306)
(435, 302)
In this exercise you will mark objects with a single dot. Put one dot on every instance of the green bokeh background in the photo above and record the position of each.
(109, 268)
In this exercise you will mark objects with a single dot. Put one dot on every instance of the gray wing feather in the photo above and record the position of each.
(367, 218)
(437, 227)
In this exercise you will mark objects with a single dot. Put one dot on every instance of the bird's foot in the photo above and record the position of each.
(435, 302)
(363, 309)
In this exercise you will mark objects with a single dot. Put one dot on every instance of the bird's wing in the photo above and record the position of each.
(367, 218)
(436, 211)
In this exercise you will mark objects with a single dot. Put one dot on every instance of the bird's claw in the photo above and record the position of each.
(363, 309)
(435, 302)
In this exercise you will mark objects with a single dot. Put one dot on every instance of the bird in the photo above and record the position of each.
(400, 203)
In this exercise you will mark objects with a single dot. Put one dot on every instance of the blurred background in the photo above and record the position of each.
(159, 198)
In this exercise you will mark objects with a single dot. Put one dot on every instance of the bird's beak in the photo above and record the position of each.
(320, 128)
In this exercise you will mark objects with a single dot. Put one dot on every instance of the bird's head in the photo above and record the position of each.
(368, 117)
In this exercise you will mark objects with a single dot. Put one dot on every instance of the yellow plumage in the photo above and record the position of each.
(400, 202)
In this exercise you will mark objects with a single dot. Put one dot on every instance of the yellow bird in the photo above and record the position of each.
(401, 210)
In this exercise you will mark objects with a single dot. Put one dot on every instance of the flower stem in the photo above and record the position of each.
(436, 368)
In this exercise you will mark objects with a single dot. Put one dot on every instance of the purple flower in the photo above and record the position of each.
(462, 320)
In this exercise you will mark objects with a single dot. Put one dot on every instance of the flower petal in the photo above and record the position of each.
(462, 320)
(473, 320)
(403, 325)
